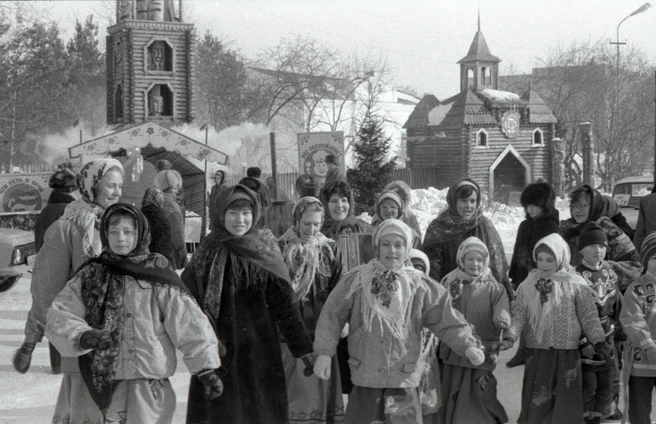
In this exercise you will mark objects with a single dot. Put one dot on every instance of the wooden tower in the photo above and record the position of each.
(150, 66)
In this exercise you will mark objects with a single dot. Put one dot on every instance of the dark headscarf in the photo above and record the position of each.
(449, 224)
(103, 282)
(153, 196)
(254, 255)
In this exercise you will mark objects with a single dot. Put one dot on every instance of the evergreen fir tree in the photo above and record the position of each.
(372, 170)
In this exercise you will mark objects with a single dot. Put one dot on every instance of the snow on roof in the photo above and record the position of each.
(499, 96)
(438, 113)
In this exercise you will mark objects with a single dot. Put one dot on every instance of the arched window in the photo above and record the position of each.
(481, 138)
(538, 137)
(470, 78)
(488, 76)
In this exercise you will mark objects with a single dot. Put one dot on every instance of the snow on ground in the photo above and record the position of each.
(30, 398)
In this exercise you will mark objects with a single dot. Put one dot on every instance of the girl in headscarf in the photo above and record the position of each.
(403, 189)
(587, 205)
(152, 206)
(386, 304)
(463, 218)
(314, 269)
(469, 393)
(239, 278)
(390, 205)
(337, 199)
(170, 182)
(553, 306)
(122, 316)
(68, 243)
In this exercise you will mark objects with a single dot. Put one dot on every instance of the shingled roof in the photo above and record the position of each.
(479, 51)
(468, 109)
(538, 111)
(419, 116)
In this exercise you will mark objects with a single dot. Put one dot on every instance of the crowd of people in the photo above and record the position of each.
(286, 330)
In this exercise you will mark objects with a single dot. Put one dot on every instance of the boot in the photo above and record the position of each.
(518, 359)
(23, 357)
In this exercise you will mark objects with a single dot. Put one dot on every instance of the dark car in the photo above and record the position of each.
(628, 192)
(16, 248)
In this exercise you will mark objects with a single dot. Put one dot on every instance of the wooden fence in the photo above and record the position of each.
(416, 178)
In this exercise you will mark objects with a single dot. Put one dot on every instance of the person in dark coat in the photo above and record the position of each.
(170, 182)
(63, 184)
(239, 278)
(587, 205)
(646, 219)
(542, 219)
(219, 178)
(334, 172)
(307, 185)
(463, 218)
(152, 206)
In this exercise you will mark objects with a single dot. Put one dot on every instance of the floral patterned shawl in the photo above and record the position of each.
(103, 281)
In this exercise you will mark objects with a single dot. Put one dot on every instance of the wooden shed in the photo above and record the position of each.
(500, 139)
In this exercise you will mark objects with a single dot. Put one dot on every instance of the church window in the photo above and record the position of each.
(538, 137)
(481, 139)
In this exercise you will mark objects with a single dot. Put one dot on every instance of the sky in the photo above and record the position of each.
(422, 39)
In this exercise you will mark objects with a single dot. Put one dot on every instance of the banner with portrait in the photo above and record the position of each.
(314, 147)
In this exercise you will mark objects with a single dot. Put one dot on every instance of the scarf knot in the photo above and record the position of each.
(545, 287)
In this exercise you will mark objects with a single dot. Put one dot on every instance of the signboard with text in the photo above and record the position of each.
(24, 192)
(314, 147)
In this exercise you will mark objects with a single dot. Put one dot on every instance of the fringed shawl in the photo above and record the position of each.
(387, 296)
(103, 282)
(544, 294)
(255, 256)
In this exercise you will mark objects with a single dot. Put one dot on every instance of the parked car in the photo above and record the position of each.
(16, 248)
(628, 192)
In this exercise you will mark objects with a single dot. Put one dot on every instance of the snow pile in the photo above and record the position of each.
(438, 113)
(500, 96)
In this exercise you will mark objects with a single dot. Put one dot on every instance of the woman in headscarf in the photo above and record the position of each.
(314, 269)
(586, 205)
(170, 182)
(390, 205)
(239, 278)
(337, 199)
(554, 306)
(464, 218)
(152, 206)
(122, 316)
(403, 189)
(68, 243)
(386, 304)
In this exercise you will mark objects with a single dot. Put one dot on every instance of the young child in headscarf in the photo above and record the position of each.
(430, 394)
(123, 315)
(553, 306)
(386, 304)
(390, 205)
(239, 278)
(469, 393)
(314, 269)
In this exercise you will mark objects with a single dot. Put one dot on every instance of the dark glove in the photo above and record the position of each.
(308, 360)
(23, 357)
(212, 383)
(95, 339)
(602, 350)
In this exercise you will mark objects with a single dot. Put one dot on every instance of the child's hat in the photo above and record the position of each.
(418, 254)
(391, 195)
(592, 233)
(648, 249)
(397, 227)
(472, 244)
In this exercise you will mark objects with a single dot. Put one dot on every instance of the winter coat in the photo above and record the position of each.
(174, 215)
(529, 233)
(374, 361)
(638, 318)
(160, 232)
(52, 212)
(61, 255)
(646, 220)
(158, 320)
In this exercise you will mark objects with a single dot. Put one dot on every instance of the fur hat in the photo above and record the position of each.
(64, 180)
(163, 165)
(648, 249)
(592, 233)
(402, 189)
(539, 194)
(308, 185)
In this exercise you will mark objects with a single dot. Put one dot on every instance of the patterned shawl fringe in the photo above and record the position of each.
(318, 257)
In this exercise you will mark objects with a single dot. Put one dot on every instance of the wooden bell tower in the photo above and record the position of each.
(150, 64)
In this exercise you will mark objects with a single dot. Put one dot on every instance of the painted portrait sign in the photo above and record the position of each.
(314, 147)
(23, 192)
